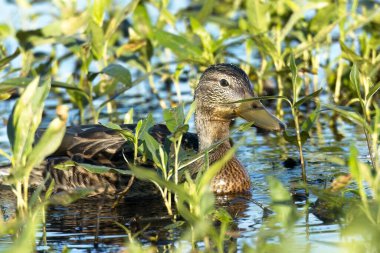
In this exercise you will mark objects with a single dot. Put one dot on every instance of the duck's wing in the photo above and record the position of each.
(102, 145)
(90, 142)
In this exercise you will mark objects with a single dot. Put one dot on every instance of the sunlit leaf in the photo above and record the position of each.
(24, 120)
(355, 171)
(5, 96)
(118, 17)
(128, 118)
(282, 204)
(350, 54)
(49, 141)
(25, 241)
(206, 10)
(355, 80)
(207, 42)
(97, 40)
(146, 174)
(98, 9)
(258, 15)
(180, 46)
(372, 91)
(5, 30)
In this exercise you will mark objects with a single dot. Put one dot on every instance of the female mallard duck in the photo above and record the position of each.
(219, 85)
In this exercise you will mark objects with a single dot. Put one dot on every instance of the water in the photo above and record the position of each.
(89, 225)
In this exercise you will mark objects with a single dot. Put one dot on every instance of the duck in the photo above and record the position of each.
(218, 89)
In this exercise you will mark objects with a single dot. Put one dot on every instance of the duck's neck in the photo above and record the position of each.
(211, 130)
(232, 177)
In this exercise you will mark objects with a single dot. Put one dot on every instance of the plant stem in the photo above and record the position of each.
(299, 144)
(153, 86)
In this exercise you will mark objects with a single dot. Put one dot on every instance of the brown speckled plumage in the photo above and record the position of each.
(99, 145)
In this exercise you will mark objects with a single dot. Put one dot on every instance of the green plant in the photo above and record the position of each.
(26, 155)
(368, 118)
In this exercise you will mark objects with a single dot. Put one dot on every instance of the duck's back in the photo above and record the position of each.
(98, 145)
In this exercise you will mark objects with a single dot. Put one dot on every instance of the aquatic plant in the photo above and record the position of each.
(91, 53)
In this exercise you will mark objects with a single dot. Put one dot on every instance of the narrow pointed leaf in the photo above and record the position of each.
(308, 98)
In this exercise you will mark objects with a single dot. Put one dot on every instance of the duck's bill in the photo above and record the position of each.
(256, 113)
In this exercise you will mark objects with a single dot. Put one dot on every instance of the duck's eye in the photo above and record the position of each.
(224, 82)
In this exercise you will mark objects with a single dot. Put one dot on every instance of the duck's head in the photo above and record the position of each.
(222, 84)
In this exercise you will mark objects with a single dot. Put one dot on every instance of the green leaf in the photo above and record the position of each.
(278, 192)
(119, 73)
(9, 58)
(98, 11)
(206, 11)
(145, 126)
(27, 230)
(128, 118)
(49, 142)
(5, 31)
(142, 22)
(324, 17)
(97, 40)
(180, 46)
(205, 37)
(21, 82)
(258, 15)
(97, 169)
(307, 98)
(112, 126)
(293, 68)
(153, 147)
(350, 55)
(298, 14)
(174, 118)
(146, 174)
(372, 91)
(118, 17)
(354, 166)
(282, 204)
(350, 115)
(309, 122)
(25, 119)
(179, 132)
(266, 46)
(4, 154)
(5, 96)
(355, 80)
